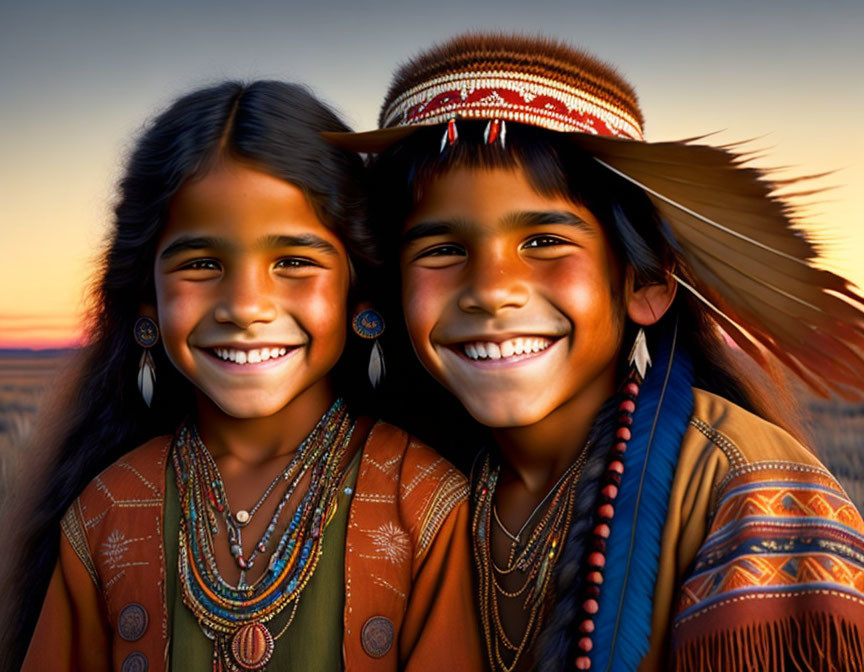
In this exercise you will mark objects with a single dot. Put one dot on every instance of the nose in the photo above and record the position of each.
(245, 298)
(495, 282)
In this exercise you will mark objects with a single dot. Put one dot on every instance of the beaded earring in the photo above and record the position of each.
(640, 360)
(146, 333)
(369, 324)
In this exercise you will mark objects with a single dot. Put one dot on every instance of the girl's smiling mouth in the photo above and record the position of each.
(250, 356)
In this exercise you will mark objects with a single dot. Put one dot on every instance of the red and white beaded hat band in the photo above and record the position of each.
(511, 96)
(743, 251)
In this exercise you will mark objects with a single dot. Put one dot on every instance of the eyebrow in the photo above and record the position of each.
(547, 217)
(511, 220)
(184, 243)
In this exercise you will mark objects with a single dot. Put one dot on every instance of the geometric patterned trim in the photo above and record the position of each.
(452, 490)
(513, 96)
(72, 525)
(788, 532)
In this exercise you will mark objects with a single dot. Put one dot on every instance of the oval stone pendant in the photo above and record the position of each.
(252, 646)
(242, 517)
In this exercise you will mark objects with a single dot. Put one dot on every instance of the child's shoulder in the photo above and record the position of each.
(394, 452)
(399, 469)
(744, 436)
(136, 478)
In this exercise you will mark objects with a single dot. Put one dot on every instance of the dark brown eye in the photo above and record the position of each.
(544, 241)
(442, 251)
(202, 265)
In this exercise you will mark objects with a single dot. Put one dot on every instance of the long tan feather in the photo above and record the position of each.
(749, 259)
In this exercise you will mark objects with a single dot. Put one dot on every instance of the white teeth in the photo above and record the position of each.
(514, 346)
(254, 356)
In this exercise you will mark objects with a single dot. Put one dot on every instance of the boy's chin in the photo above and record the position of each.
(503, 415)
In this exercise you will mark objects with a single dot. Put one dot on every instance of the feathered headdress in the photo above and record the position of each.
(746, 260)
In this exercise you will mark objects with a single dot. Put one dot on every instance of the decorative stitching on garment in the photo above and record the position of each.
(390, 542)
(374, 498)
(152, 487)
(72, 525)
(386, 584)
(452, 490)
(422, 474)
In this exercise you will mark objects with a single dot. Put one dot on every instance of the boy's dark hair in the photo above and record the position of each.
(639, 238)
(273, 127)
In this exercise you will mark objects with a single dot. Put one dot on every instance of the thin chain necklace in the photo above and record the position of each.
(234, 617)
(535, 560)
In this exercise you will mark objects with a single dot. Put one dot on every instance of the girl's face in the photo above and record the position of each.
(251, 291)
(508, 296)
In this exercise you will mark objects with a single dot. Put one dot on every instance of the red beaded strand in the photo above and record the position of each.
(596, 561)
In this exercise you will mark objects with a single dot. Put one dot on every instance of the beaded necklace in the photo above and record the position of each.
(234, 616)
(535, 560)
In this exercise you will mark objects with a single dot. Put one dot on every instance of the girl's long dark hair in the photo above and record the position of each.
(639, 238)
(272, 126)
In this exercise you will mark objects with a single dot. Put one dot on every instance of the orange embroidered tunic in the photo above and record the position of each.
(408, 594)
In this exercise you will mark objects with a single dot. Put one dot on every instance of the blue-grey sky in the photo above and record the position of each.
(79, 79)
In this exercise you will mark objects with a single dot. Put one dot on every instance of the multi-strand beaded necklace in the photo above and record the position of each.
(537, 558)
(234, 616)
(534, 559)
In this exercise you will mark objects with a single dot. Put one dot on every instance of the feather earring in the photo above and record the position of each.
(370, 325)
(146, 334)
(640, 358)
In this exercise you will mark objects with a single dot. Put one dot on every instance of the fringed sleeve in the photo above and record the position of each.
(778, 583)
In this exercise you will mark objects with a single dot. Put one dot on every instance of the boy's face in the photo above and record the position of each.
(509, 296)
(251, 291)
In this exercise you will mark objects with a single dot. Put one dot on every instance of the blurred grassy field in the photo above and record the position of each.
(837, 428)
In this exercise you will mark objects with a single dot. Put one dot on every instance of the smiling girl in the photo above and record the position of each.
(264, 521)
(625, 516)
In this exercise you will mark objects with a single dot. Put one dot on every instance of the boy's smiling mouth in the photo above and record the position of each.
(502, 350)
(511, 348)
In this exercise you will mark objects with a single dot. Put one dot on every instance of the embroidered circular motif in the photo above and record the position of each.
(377, 636)
(132, 622)
(146, 332)
(252, 646)
(135, 662)
(368, 324)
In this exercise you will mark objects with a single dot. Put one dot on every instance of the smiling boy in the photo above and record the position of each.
(625, 517)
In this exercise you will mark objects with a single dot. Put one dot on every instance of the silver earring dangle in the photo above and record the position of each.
(640, 358)
(146, 333)
(369, 324)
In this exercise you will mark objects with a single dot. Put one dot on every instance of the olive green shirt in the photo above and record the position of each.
(314, 639)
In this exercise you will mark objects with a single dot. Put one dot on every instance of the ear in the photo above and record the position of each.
(649, 303)
(148, 310)
(359, 307)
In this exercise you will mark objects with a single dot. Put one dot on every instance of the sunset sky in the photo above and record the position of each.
(78, 80)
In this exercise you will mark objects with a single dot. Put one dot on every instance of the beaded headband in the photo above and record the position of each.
(520, 97)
